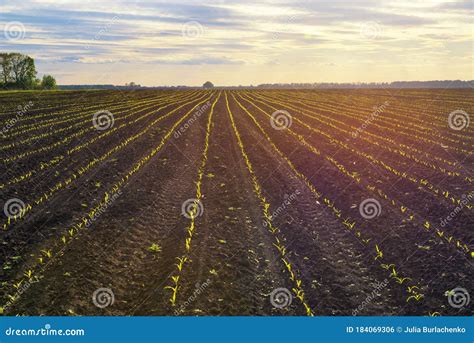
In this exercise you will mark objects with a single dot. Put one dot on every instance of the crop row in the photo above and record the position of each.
(275, 232)
(45, 257)
(396, 112)
(45, 165)
(87, 115)
(192, 213)
(404, 210)
(351, 114)
(419, 182)
(30, 113)
(79, 171)
(348, 223)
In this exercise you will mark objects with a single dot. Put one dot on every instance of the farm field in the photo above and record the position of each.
(236, 202)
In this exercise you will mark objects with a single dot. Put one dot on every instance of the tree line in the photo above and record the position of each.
(395, 84)
(18, 71)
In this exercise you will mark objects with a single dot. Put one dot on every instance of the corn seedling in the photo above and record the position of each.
(181, 262)
(401, 280)
(47, 253)
(18, 284)
(387, 266)
(379, 252)
(416, 297)
(154, 248)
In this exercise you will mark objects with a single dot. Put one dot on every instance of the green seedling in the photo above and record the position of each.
(379, 252)
(154, 248)
(416, 297)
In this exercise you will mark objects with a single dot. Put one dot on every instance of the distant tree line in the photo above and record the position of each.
(18, 71)
(396, 84)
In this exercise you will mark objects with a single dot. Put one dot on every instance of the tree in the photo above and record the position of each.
(207, 85)
(24, 71)
(17, 71)
(132, 85)
(48, 82)
(6, 69)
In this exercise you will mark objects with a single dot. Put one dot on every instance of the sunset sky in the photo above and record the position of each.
(241, 42)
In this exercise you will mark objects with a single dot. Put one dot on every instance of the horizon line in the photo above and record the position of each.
(279, 83)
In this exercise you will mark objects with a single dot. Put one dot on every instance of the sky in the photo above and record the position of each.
(154, 42)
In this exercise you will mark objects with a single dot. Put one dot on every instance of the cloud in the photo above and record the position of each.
(239, 33)
(465, 6)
